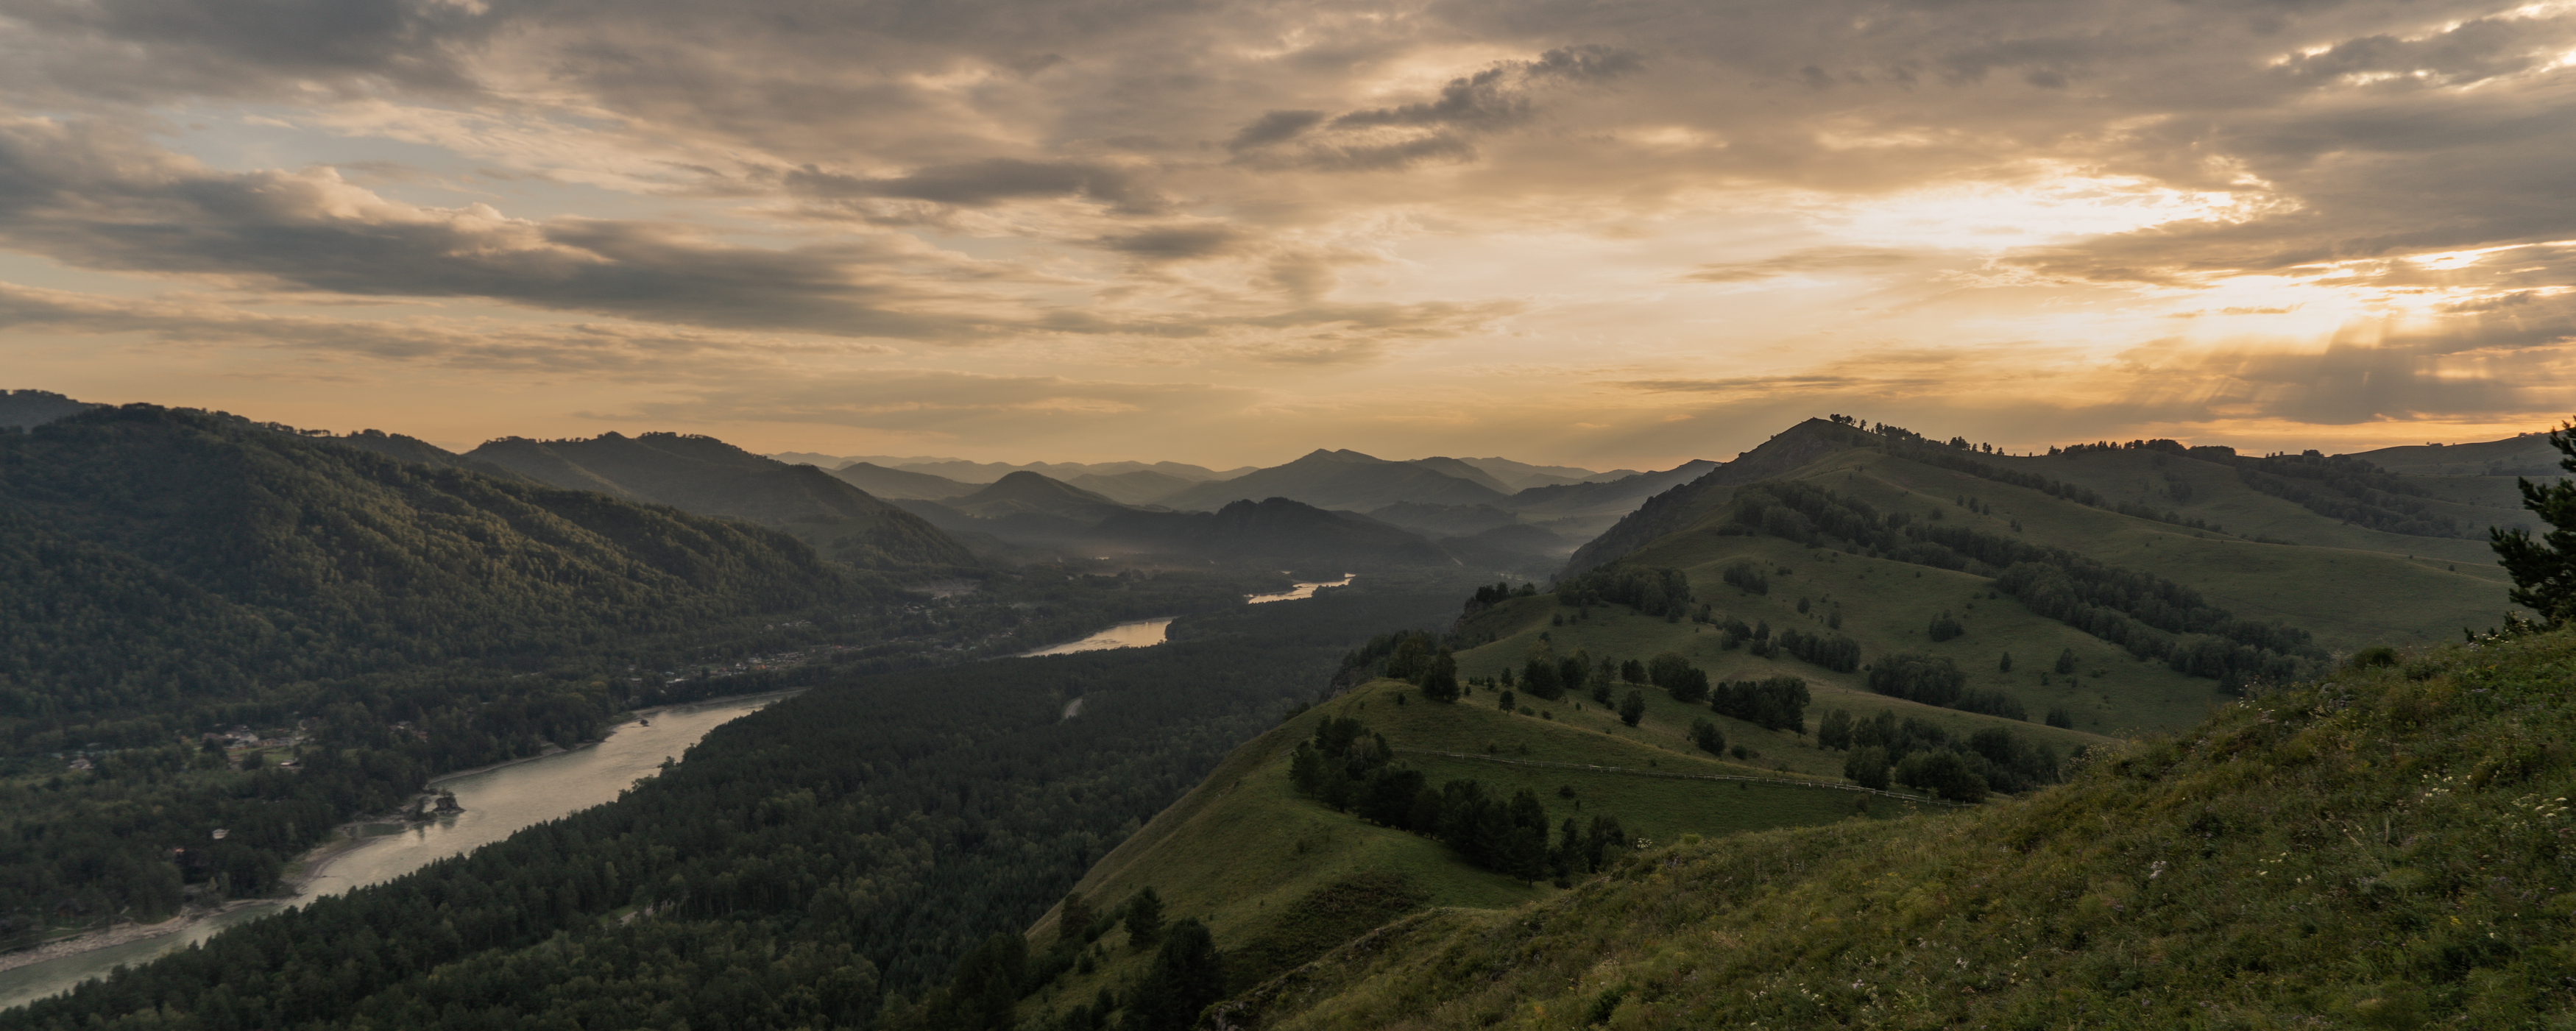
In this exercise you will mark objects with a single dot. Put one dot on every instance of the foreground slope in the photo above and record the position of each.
(2387, 848)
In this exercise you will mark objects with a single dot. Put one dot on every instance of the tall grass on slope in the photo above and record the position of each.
(2390, 847)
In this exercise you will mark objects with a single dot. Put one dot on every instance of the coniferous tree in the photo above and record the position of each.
(1145, 918)
(1835, 730)
(2005, 665)
(1867, 767)
(1572, 672)
(2066, 661)
(1440, 681)
(2544, 568)
(1187, 975)
(1707, 737)
(1073, 918)
(1632, 708)
(1539, 677)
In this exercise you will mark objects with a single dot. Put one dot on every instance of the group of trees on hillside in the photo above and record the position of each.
(1935, 680)
(1651, 590)
(1351, 768)
(1915, 753)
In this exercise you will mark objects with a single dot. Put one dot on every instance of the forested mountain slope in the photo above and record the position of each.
(2383, 849)
(24, 408)
(159, 556)
(710, 477)
(165, 574)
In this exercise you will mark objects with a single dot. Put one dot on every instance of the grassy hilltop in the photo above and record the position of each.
(2386, 848)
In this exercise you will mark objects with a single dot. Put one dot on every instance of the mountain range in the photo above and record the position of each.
(1953, 700)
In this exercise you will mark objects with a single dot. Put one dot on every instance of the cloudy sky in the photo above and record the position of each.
(1606, 232)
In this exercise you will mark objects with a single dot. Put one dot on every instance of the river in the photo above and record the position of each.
(1302, 590)
(1144, 633)
(497, 803)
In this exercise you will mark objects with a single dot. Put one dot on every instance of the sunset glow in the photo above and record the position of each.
(1229, 234)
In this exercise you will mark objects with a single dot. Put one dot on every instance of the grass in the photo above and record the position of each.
(2386, 849)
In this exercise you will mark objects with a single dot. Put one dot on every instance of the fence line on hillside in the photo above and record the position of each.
(1680, 776)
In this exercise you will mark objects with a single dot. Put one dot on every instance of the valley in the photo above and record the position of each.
(1064, 727)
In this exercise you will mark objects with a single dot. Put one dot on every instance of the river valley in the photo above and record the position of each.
(497, 802)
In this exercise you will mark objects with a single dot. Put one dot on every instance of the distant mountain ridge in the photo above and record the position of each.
(24, 408)
(710, 477)
(1341, 479)
(1276, 528)
(964, 471)
(890, 484)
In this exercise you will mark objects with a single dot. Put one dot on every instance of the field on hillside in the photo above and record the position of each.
(1888, 607)
(1243, 850)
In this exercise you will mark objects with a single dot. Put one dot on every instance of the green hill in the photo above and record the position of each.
(2384, 849)
(1886, 583)
(1278, 877)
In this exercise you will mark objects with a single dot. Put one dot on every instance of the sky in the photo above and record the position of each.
(1596, 232)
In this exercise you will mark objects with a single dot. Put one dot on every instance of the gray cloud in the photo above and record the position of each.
(1496, 98)
(1175, 243)
(1273, 127)
(102, 198)
(991, 181)
(614, 351)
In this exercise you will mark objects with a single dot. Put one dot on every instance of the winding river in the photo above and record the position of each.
(497, 802)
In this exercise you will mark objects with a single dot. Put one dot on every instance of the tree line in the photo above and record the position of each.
(1913, 752)
(1352, 769)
